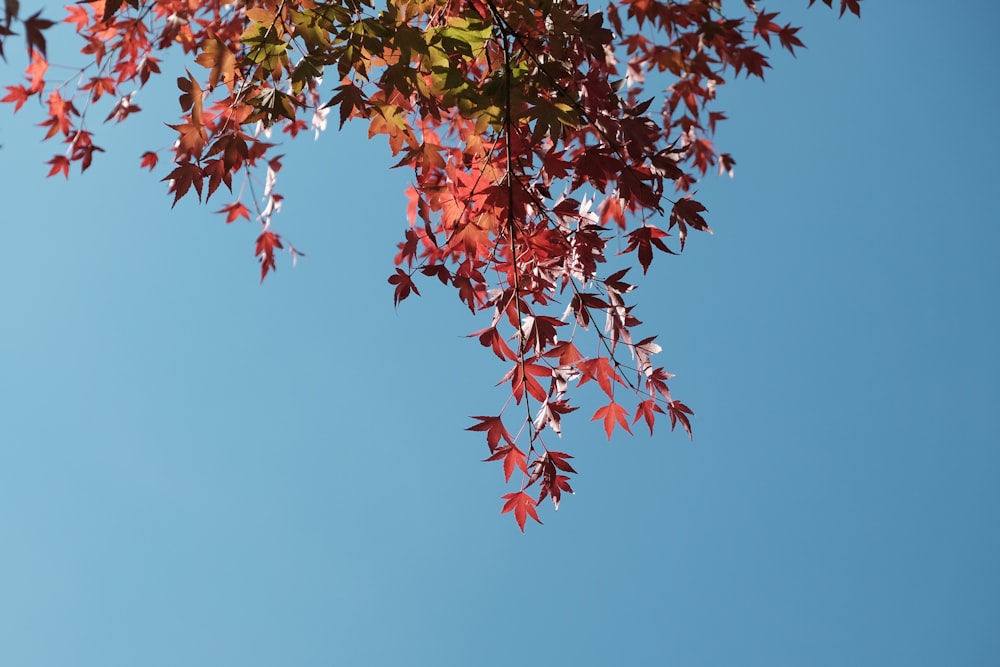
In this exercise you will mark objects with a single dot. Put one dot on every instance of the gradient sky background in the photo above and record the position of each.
(199, 470)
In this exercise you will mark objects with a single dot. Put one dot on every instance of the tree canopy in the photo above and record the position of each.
(536, 131)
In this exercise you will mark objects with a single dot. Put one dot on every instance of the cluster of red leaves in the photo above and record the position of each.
(530, 134)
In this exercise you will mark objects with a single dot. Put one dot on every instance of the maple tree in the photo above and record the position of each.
(536, 131)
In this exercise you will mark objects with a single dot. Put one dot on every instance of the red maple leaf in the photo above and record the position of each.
(646, 410)
(217, 173)
(34, 25)
(657, 381)
(599, 369)
(18, 95)
(765, 25)
(551, 414)
(404, 285)
(644, 239)
(788, 39)
(520, 378)
(83, 149)
(554, 486)
(60, 110)
(234, 211)
(512, 457)
(35, 72)
(149, 160)
(60, 163)
(611, 413)
(522, 505)
(191, 136)
(493, 339)
(351, 100)
(495, 430)
(264, 251)
(685, 212)
(182, 178)
(547, 467)
(679, 413)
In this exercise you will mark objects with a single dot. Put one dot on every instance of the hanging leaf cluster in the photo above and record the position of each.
(536, 132)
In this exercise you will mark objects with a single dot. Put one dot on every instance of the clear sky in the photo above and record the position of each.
(199, 470)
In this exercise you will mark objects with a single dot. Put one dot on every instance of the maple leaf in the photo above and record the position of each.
(657, 381)
(599, 368)
(565, 352)
(687, 212)
(643, 350)
(191, 98)
(765, 25)
(616, 285)
(512, 458)
(220, 62)
(493, 339)
(18, 95)
(495, 430)
(191, 138)
(522, 505)
(391, 120)
(122, 109)
(786, 35)
(264, 251)
(148, 66)
(644, 239)
(60, 163)
(550, 414)
(467, 291)
(182, 178)
(404, 284)
(99, 86)
(83, 149)
(60, 110)
(218, 172)
(234, 211)
(77, 16)
(539, 332)
(35, 72)
(753, 60)
(679, 413)
(559, 460)
(519, 379)
(612, 413)
(554, 487)
(546, 468)
(34, 26)
(408, 249)
(148, 160)
(350, 99)
(646, 410)
(233, 151)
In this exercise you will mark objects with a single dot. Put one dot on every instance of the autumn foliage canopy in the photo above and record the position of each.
(536, 131)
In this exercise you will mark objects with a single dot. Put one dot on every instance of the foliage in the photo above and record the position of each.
(532, 135)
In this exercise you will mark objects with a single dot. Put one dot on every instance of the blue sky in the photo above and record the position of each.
(197, 469)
